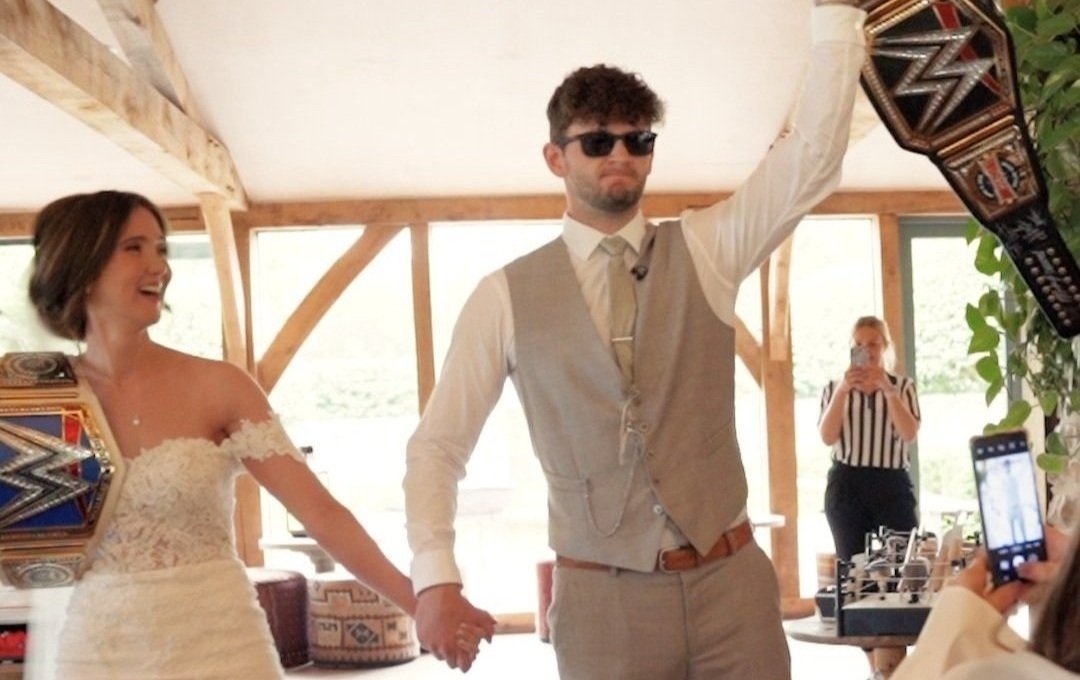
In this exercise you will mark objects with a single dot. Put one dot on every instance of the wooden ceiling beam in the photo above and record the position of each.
(182, 220)
(478, 208)
(52, 56)
(403, 211)
(142, 36)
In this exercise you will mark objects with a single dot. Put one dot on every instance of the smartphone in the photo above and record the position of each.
(859, 356)
(1008, 503)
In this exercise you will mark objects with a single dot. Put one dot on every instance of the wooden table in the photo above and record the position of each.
(886, 651)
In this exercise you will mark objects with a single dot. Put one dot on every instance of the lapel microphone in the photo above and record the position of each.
(639, 271)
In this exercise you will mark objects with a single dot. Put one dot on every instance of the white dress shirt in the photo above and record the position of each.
(727, 241)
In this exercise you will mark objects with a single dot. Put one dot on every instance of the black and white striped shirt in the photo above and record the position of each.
(867, 437)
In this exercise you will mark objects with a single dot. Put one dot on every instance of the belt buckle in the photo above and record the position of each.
(664, 569)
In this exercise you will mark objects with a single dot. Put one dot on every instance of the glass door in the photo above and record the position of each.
(939, 282)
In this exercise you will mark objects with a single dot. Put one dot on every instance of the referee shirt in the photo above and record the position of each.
(867, 437)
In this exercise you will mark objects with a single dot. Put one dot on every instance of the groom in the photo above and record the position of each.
(619, 337)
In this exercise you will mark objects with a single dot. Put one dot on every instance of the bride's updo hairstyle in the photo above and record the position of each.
(74, 237)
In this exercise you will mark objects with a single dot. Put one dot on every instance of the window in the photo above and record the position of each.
(351, 394)
(941, 282)
(835, 263)
(192, 322)
(350, 391)
(15, 310)
(834, 274)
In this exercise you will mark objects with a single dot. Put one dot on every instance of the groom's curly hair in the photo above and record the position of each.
(602, 94)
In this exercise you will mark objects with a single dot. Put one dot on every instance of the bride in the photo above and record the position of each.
(166, 594)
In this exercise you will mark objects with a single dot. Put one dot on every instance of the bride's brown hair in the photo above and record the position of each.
(1057, 635)
(74, 237)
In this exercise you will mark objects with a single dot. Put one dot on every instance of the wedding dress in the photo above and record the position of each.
(166, 595)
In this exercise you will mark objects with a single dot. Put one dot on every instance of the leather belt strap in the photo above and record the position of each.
(680, 559)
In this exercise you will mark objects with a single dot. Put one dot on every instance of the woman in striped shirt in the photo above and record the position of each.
(869, 418)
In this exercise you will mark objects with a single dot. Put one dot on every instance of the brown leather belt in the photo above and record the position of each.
(681, 559)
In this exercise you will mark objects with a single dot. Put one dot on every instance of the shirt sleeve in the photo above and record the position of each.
(826, 397)
(911, 398)
(477, 364)
(735, 236)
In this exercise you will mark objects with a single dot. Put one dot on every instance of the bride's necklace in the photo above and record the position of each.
(135, 419)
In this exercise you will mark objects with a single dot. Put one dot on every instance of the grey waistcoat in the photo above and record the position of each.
(681, 461)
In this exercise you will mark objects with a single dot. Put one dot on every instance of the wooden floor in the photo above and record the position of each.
(524, 657)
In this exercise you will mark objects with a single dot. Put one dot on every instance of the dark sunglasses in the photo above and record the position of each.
(601, 142)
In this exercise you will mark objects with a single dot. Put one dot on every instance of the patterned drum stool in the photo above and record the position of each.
(350, 626)
(284, 597)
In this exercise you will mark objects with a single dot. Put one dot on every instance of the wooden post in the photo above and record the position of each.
(779, 394)
(892, 290)
(219, 225)
(245, 255)
(421, 289)
(247, 519)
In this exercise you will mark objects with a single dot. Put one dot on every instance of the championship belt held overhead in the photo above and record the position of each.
(942, 76)
(60, 471)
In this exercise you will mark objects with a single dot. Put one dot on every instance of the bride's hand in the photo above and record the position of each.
(468, 640)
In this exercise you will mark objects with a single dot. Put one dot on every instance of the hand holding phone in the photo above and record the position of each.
(973, 577)
(1008, 503)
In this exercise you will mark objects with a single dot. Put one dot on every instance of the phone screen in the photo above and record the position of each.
(859, 356)
(1008, 503)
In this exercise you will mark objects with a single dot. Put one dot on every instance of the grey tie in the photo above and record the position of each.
(622, 305)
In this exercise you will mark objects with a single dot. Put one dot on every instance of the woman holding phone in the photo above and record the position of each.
(869, 417)
(966, 636)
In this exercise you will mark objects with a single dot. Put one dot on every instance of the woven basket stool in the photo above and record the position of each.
(284, 597)
(350, 626)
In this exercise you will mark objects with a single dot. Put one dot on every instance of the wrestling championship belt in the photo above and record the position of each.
(60, 471)
(941, 75)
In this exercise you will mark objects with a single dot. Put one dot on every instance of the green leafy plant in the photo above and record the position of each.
(1046, 34)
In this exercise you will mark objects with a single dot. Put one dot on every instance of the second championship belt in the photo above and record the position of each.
(942, 76)
(60, 471)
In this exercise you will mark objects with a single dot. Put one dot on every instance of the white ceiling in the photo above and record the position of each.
(331, 99)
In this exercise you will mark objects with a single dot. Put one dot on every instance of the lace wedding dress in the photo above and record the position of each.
(166, 595)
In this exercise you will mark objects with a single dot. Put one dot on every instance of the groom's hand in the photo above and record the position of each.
(441, 612)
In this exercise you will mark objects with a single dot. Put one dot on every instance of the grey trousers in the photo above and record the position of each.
(715, 622)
